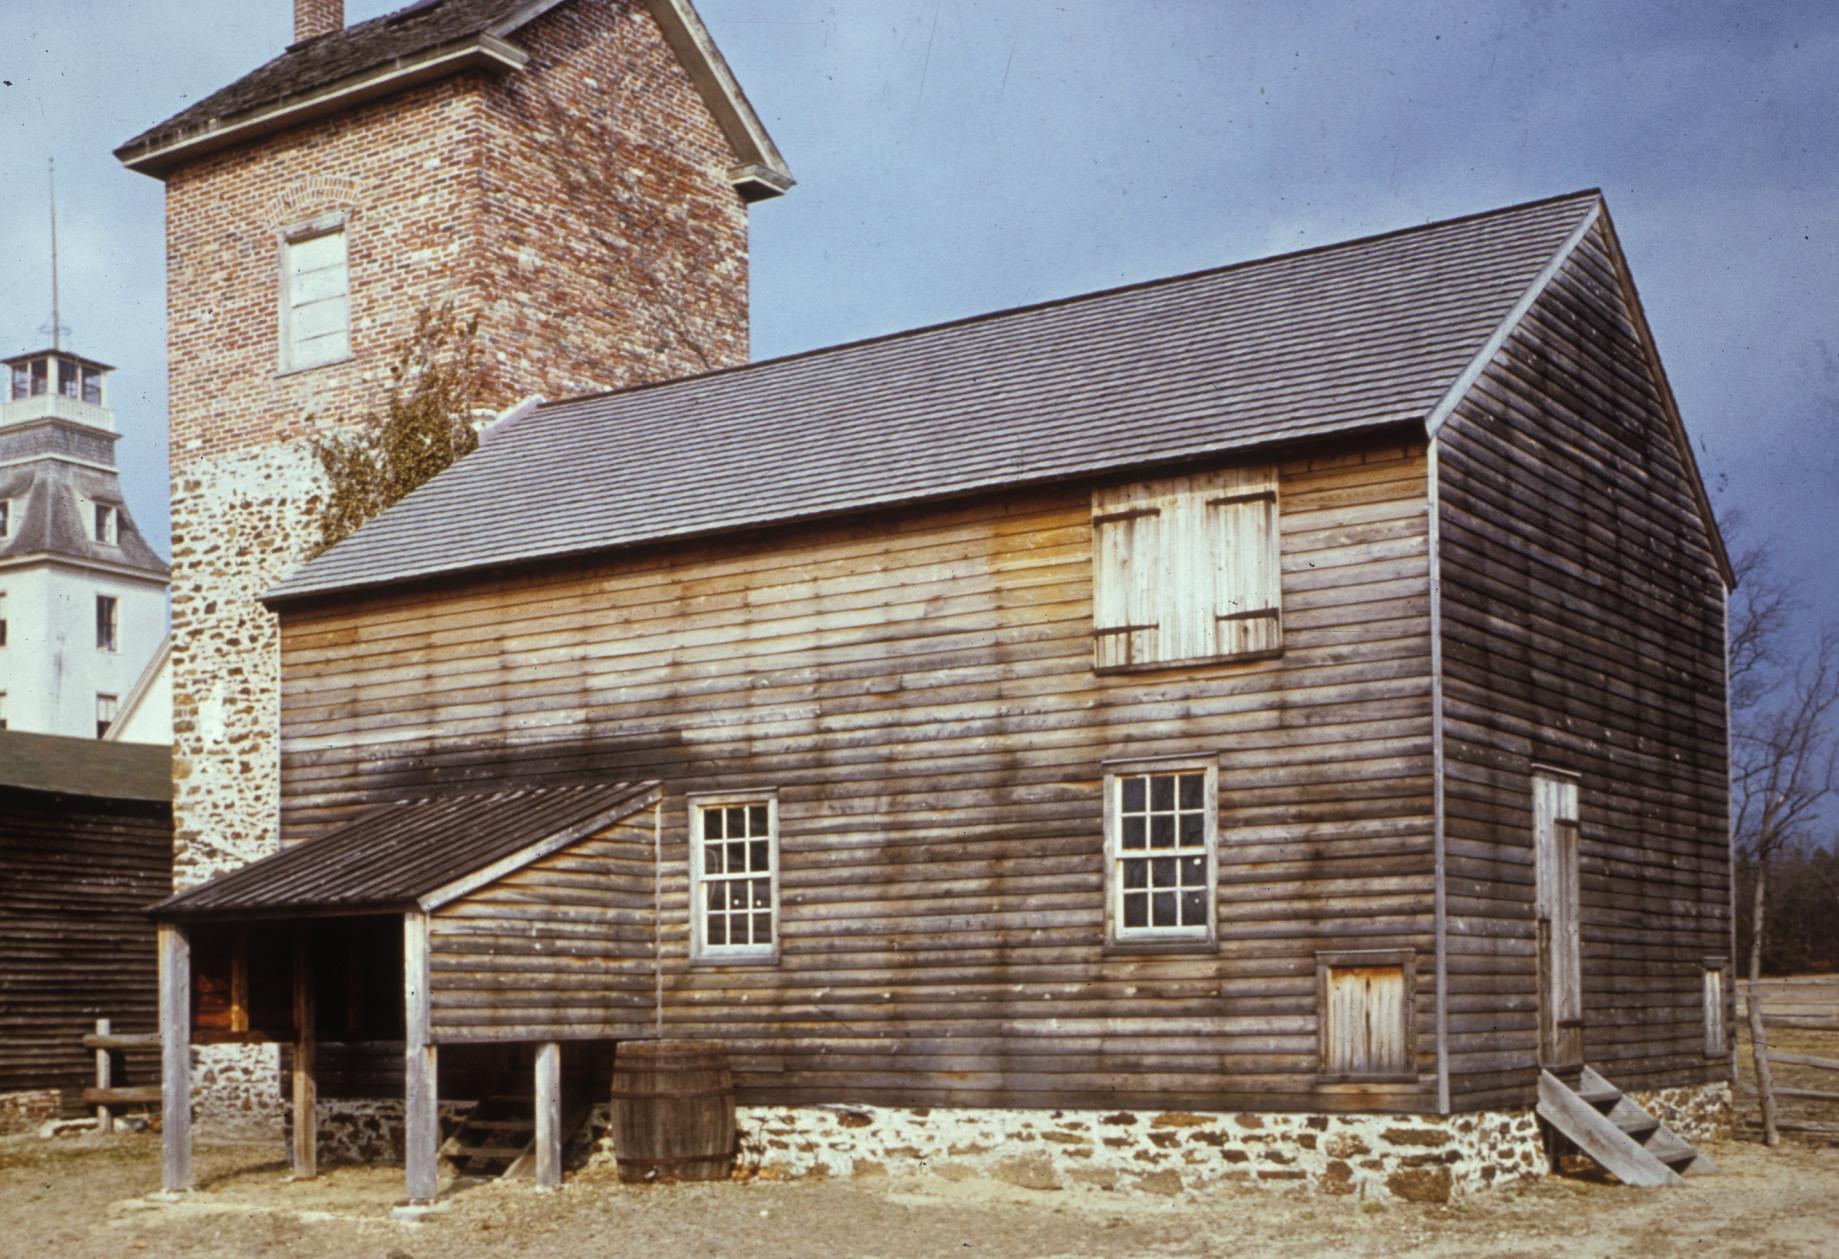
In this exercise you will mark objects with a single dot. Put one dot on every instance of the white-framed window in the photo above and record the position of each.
(3, 710)
(2, 618)
(108, 623)
(107, 706)
(1186, 569)
(6, 517)
(104, 523)
(734, 876)
(1717, 1042)
(1161, 867)
(315, 294)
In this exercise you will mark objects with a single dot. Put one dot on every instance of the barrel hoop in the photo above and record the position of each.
(629, 1096)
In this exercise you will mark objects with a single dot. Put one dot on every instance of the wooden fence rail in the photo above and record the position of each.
(1800, 1022)
(108, 1093)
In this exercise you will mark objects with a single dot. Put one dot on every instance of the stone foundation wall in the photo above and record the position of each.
(234, 1090)
(1705, 1112)
(23, 1112)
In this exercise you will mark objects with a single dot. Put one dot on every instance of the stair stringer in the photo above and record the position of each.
(1593, 1132)
(1662, 1142)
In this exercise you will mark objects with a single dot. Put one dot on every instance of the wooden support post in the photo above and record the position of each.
(306, 1083)
(105, 1072)
(239, 980)
(175, 950)
(423, 1135)
(549, 1115)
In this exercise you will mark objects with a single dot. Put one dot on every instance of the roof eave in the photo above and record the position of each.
(482, 51)
(760, 171)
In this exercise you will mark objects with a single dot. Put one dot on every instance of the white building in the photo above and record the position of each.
(82, 595)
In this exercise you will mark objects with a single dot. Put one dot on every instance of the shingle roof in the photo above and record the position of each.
(46, 495)
(85, 767)
(1349, 337)
(317, 63)
(396, 854)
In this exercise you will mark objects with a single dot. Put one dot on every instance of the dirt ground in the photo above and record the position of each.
(88, 1197)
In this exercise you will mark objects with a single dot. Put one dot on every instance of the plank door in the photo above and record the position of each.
(1561, 994)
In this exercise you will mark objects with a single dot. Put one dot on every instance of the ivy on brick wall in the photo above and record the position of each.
(426, 423)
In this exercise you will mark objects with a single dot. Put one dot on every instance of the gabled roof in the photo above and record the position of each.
(406, 855)
(85, 767)
(427, 40)
(1347, 338)
(47, 494)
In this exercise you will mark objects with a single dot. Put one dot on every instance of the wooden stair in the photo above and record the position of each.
(497, 1139)
(1605, 1123)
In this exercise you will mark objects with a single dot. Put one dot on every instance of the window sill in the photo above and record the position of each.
(1153, 948)
(1362, 1081)
(720, 962)
(282, 372)
(1193, 662)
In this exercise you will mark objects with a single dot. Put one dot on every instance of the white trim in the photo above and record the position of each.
(1492, 346)
(484, 875)
(510, 415)
(480, 50)
(131, 702)
(1116, 933)
(700, 948)
(76, 561)
(761, 170)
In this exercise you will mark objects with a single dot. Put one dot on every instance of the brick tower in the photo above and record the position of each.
(576, 173)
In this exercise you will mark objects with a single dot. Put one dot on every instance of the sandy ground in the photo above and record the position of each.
(87, 1197)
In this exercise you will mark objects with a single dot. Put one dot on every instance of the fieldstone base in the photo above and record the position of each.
(1704, 1112)
(235, 1090)
(367, 1131)
(23, 1112)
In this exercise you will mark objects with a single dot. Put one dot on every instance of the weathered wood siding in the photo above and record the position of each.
(1583, 628)
(75, 874)
(919, 687)
(561, 949)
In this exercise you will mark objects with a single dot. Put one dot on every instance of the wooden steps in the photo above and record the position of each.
(1606, 1124)
(497, 1139)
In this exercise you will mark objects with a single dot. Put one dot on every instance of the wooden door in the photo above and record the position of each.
(1561, 995)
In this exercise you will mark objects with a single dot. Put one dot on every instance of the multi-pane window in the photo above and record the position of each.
(315, 298)
(107, 706)
(1186, 569)
(22, 381)
(735, 876)
(108, 623)
(1160, 834)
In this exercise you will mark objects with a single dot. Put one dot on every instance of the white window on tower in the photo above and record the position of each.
(108, 623)
(1161, 866)
(734, 877)
(315, 295)
(6, 517)
(104, 523)
(1185, 570)
(106, 708)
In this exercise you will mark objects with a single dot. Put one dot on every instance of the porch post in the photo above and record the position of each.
(423, 1135)
(306, 1082)
(549, 1115)
(175, 955)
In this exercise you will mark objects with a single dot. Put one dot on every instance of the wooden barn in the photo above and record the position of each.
(85, 847)
(1269, 698)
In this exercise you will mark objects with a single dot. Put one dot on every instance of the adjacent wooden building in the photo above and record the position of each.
(1297, 687)
(85, 847)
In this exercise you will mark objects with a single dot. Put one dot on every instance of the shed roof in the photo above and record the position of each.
(85, 767)
(1350, 337)
(398, 856)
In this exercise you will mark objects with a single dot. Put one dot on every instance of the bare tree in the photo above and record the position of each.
(1784, 758)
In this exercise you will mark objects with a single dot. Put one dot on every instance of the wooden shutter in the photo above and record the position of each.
(1248, 581)
(1366, 1020)
(1127, 559)
(1715, 1046)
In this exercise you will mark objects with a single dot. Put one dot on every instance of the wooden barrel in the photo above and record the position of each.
(673, 1110)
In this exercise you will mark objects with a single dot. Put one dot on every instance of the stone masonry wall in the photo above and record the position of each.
(23, 1112)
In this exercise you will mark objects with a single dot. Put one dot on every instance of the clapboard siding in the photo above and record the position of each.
(562, 949)
(75, 946)
(919, 688)
(1582, 613)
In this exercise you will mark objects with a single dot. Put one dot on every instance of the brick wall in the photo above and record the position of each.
(580, 207)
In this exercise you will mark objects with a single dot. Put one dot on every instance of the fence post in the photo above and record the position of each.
(105, 1078)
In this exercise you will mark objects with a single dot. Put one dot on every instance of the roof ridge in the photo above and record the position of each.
(1075, 299)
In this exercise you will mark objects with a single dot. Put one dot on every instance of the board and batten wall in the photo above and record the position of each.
(918, 687)
(1582, 612)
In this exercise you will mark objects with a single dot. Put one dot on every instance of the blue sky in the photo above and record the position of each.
(958, 157)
